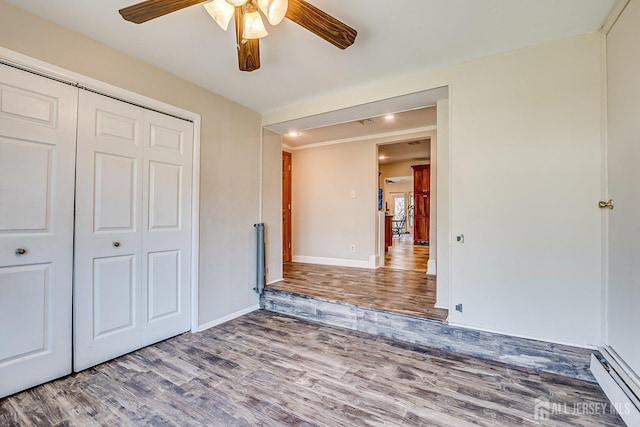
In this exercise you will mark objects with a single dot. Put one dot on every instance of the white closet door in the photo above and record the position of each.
(107, 292)
(37, 156)
(166, 237)
(133, 229)
(623, 159)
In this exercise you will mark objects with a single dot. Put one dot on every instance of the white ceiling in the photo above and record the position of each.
(372, 127)
(394, 38)
(398, 104)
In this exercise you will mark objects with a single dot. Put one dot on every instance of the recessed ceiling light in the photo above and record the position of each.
(294, 133)
(381, 157)
(389, 117)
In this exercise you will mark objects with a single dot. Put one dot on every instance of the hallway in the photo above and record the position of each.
(404, 255)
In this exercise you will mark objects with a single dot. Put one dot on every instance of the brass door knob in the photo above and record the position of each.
(607, 204)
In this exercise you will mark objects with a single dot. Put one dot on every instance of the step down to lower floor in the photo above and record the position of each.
(527, 353)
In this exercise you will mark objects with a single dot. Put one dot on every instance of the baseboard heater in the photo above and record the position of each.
(618, 383)
(260, 259)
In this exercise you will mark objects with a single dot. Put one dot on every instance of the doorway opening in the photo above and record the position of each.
(340, 207)
(404, 171)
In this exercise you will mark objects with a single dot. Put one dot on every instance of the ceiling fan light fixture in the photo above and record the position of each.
(249, 27)
(253, 26)
(274, 10)
(221, 12)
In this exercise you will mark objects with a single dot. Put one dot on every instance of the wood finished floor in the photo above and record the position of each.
(265, 369)
(404, 255)
(400, 291)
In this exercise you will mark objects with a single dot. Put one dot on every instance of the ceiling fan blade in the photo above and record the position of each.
(321, 23)
(248, 49)
(151, 9)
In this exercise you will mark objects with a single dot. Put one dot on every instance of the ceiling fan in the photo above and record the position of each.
(248, 23)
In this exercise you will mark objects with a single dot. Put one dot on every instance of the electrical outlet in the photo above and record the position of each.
(353, 194)
(353, 247)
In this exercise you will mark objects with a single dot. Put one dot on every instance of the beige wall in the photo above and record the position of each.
(272, 202)
(230, 149)
(441, 193)
(400, 168)
(525, 165)
(326, 219)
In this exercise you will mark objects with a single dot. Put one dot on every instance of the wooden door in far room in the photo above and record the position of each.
(286, 206)
(421, 183)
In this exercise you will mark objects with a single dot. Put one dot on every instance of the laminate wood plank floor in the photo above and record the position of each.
(265, 369)
(404, 255)
(400, 291)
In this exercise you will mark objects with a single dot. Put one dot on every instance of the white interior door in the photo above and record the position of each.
(37, 157)
(166, 224)
(107, 292)
(623, 156)
(133, 228)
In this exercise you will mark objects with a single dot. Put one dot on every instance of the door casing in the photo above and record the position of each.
(286, 207)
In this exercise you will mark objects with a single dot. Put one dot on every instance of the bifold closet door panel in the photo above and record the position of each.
(108, 262)
(166, 236)
(133, 229)
(37, 161)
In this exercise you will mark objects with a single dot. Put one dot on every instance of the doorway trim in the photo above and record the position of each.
(44, 69)
(326, 115)
(408, 135)
(287, 181)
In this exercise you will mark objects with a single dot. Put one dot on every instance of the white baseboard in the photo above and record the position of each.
(224, 319)
(339, 262)
(440, 303)
(431, 267)
(622, 404)
(375, 260)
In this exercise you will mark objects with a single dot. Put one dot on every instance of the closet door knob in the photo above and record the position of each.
(116, 244)
(21, 251)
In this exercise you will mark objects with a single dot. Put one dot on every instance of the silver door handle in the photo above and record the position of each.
(21, 251)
